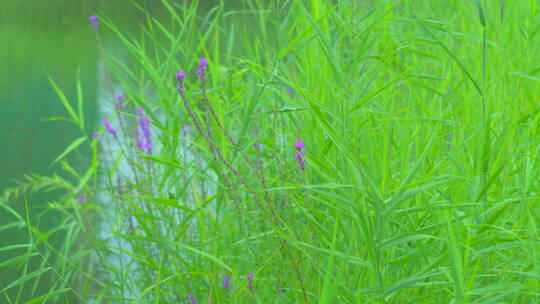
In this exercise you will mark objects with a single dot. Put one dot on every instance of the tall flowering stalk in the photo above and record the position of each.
(299, 146)
(144, 136)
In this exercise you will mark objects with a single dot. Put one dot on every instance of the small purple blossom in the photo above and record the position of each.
(299, 146)
(120, 97)
(201, 72)
(289, 91)
(226, 281)
(180, 78)
(93, 19)
(192, 299)
(250, 277)
(144, 140)
(95, 135)
(120, 105)
(110, 129)
(82, 198)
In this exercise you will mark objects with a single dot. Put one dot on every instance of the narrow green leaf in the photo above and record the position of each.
(74, 145)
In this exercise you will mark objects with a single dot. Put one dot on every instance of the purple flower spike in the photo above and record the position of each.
(95, 135)
(203, 64)
(299, 146)
(110, 129)
(94, 24)
(120, 97)
(192, 299)
(250, 280)
(143, 136)
(180, 76)
(227, 280)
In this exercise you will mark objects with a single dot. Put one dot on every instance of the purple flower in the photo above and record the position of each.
(250, 277)
(289, 91)
(82, 198)
(120, 97)
(299, 146)
(144, 140)
(201, 72)
(192, 299)
(95, 135)
(94, 22)
(226, 280)
(180, 76)
(120, 105)
(110, 129)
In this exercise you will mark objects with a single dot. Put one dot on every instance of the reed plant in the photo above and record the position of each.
(299, 152)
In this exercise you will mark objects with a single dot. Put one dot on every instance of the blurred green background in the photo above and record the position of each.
(40, 39)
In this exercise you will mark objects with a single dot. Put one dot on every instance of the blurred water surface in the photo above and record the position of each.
(41, 38)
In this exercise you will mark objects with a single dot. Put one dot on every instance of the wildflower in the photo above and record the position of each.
(82, 198)
(95, 135)
(93, 19)
(144, 140)
(299, 146)
(250, 277)
(226, 280)
(120, 97)
(201, 72)
(289, 91)
(180, 78)
(110, 129)
(192, 299)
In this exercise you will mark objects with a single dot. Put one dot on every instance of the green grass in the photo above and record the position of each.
(420, 121)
